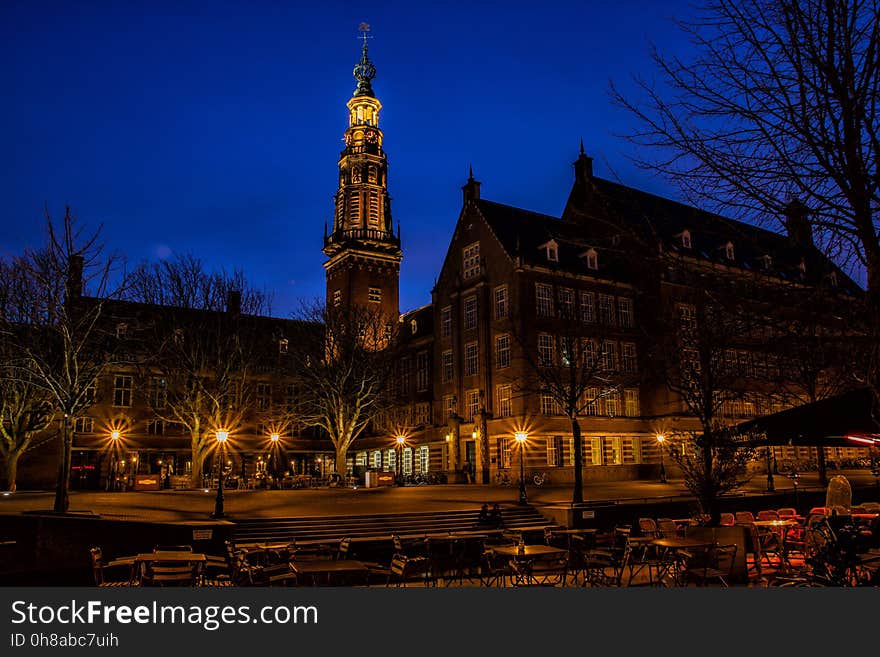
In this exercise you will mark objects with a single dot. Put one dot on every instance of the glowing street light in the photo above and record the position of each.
(222, 437)
(521, 437)
(399, 442)
(274, 437)
(660, 440)
(115, 434)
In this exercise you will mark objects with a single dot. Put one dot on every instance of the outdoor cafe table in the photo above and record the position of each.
(670, 546)
(780, 528)
(528, 551)
(315, 569)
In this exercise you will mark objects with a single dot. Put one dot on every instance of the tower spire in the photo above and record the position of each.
(364, 71)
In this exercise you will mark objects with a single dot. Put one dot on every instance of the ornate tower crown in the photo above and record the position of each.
(363, 252)
(364, 71)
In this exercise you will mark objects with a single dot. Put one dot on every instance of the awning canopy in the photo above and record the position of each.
(850, 420)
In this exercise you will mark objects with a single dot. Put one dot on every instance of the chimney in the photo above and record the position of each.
(797, 225)
(583, 166)
(233, 302)
(75, 276)
(471, 189)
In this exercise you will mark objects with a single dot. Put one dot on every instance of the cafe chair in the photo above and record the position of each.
(648, 527)
(786, 512)
(111, 573)
(727, 520)
(547, 571)
(744, 517)
(715, 564)
(404, 570)
(768, 514)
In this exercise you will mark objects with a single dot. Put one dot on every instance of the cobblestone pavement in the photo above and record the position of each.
(196, 505)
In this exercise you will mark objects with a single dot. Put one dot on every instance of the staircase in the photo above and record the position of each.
(333, 528)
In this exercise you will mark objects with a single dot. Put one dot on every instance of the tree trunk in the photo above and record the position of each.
(710, 495)
(12, 469)
(341, 454)
(62, 493)
(198, 462)
(577, 495)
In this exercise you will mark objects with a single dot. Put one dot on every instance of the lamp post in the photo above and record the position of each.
(660, 440)
(222, 436)
(794, 478)
(399, 441)
(771, 486)
(521, 437)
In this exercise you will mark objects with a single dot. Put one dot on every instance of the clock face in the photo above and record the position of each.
(372, 137)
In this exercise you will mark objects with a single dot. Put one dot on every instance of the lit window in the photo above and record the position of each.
(473, 404)
(628, 357)
(608, 356)
(446, 322)
(591, 401)
(503, 452)
(337, 298)
(606, 309)
(374, 295)
(545, 350)
(449, 405)
(83, 425)
(549, 405)
(566, 303)
(122, 386)
(446, 366)
(471, 359)
(282, 346)
(625, 312)
(470, 256)
(543, 300)
(505, 408)
(470, 313)
(424, 458)
(588, 349)
(631, 402)
(501, 302)
(612, 404)
(554, 451)
(586, 305)
(413, 326)
(502, 351)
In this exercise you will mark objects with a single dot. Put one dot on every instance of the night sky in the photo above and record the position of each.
(215, 127)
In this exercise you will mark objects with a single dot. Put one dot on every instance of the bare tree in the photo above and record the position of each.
(25, 408)
(572, 365)
(344, 362)
(706, 358)
(68, 338)
(779, 102)
(201, 352)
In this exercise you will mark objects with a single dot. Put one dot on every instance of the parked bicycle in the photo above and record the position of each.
(540, 478)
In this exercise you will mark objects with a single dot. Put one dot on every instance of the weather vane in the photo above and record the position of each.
(363, 28)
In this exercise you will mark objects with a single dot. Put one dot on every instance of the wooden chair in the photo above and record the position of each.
(649, 527)
(404, 570)
(666, 528)
(119, 567)
(727, 520)
(716, 563)
(552, 571)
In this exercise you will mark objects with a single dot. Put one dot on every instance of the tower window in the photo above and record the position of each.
(471, 261)
(337, 298)
(371, 174)
(374, 295)
(354, 209)
(373, 217)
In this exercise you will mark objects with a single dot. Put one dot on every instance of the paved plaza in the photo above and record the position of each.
(197, 505)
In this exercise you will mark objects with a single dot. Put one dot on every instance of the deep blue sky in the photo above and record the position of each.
(215, 127)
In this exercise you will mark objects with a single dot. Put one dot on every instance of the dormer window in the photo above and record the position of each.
(551, 249)
(413, 326)
(803, 267)
(686, 239)
(728, 250)
(767, 262)
(592, 259)
(832, 278)
(121, 329)
(282, 346)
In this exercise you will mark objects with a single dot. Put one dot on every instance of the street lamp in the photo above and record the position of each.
(521, 437)
(771, 486)
(794, 478)
(399, 445)
(222, 436)
(115, 434)
(660, 440)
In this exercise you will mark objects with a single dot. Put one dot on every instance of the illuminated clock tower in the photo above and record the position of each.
(364, 254)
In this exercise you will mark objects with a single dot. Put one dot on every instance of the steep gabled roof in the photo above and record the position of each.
(523, 234)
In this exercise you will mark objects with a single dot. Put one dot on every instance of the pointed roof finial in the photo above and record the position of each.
(470, 173)
(364, 71)
(582, 146)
